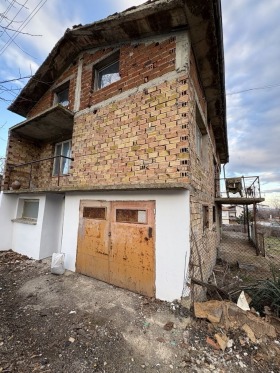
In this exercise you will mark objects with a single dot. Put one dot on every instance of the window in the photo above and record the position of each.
(61, 165)
(61, 95)
(108, 75)
(198, 140)
(201, 139)
(205, 214)
(131, 216)
(98, 213)
(107, 71)
(30, 209)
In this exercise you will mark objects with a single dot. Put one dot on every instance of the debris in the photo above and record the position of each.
(161, 340)
(212, 343)
(210, 310)
(249, 333)
(242, 302)
(222, 340)
(71, 339)
(230, 343)
(169, 326)
(72, 312)
(229, 315)
(247, 266)
(212, 289)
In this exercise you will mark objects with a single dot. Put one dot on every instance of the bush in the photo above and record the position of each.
(266, 293)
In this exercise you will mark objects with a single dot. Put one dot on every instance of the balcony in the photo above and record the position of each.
(29, 176)
(239, 190)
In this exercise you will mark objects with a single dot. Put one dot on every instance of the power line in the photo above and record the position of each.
(253, 89)
(25, 23)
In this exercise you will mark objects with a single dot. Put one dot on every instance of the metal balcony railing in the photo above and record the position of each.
(239, 187)
(25, 177)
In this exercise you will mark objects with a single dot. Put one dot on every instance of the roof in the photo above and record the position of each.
(201, 17)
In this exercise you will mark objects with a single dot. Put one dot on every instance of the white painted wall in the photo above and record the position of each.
(8, 206)
(26, 237)
(52, 225)
(172, 234)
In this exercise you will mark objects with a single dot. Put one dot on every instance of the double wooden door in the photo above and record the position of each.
(116, 243)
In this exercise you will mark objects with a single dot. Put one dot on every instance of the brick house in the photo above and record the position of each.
(116, 162)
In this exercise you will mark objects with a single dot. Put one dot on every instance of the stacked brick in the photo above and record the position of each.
(139, 64)
(133, 141)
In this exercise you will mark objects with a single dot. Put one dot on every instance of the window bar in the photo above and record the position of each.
(59, 166)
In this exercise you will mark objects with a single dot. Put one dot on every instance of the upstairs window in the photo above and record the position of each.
(61, 165)
(61, 95)
(107, 71)
(108, 75)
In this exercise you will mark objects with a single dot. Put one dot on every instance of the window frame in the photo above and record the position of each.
(61, 89)
(205, 217)
(60, 159)
(103, 65)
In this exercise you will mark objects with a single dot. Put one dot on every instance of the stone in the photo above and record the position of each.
(169, 326)
(222, 340)
(212, 343)
(211, 310)
(249, 333)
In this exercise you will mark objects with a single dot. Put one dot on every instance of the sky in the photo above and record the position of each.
(251, 31)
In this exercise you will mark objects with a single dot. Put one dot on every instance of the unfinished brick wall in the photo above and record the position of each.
(47, 101)
(139, 63)
(203, 170)
(140, 139)
(20, 151)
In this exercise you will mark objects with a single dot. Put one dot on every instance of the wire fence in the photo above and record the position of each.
(244, 257)
(246, 254)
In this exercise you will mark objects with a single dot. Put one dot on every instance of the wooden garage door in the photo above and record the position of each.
(116, 244)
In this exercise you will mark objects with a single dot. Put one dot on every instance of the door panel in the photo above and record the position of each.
(93, 240)
(132, 248)
(116, 244)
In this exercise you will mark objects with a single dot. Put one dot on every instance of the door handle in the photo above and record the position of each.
(150, 232)
(109, 234)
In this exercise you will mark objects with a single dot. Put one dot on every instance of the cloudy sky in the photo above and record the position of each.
(252, 56)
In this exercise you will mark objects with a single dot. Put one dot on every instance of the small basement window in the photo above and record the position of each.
(27, 211)
(107, 71)
(30, 209)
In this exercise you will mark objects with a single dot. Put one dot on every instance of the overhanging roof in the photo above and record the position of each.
(201, 17)
(54, 124)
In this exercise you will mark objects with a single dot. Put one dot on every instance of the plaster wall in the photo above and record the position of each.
(27, 237)
(8, 206)
(52, 225)
(172, 246)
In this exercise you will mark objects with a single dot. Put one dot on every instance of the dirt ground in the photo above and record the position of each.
(72, 323)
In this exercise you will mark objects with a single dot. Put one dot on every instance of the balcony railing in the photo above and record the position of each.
(25, 173)
(239, 187)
